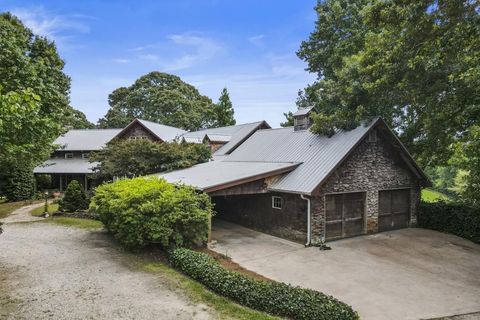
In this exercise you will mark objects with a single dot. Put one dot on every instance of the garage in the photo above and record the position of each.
(393, 209)
(345, 215)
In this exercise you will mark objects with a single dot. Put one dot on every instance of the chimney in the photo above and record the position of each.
(301, 119)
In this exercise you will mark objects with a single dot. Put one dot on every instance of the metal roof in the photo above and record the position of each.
(61, 165)
(85, 139)
(211, 175)
(302, 111)
(318, 154)
(238, 134)
(166, 133)
(218, 137)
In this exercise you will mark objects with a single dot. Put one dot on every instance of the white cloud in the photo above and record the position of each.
(121, 60)
(59, 28)
(257, 40)
(149, 57)
(200, 49)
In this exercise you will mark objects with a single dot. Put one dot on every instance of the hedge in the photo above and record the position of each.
(143, 211)
(274, 298)
(454, 218)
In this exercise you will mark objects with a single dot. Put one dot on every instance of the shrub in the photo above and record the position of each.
(74, 198)
(150, 210)
(456, 218)
(17, 183)
(44, 181)
(275, 298)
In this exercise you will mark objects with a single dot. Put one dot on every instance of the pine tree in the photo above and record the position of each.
(224, 110)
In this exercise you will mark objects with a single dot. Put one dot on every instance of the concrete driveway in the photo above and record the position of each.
(403, 274)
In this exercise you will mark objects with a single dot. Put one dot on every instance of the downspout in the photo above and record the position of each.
(309, 231)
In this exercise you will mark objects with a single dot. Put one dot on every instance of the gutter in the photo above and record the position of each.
(309, 218)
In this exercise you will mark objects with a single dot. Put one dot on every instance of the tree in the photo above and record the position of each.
(288, 119)
(77, 120)
(223, 110)
(133, 158)
(413, 62)
(25, 135)
(33, 102)
(162, 98)
(74, 198)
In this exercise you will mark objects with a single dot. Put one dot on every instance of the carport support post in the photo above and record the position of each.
(209, 237)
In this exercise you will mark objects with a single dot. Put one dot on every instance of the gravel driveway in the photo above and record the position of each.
(54, 272)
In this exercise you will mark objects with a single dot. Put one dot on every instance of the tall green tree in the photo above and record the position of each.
(34, 100)
(76, 119)
(223, 110)
(416, 63)
(162, 98)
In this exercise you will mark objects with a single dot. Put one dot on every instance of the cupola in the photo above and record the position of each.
(302, 119)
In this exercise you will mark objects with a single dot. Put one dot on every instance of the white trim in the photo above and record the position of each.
(273, 202)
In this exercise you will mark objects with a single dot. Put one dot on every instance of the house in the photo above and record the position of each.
(70, 161)
(310, 188)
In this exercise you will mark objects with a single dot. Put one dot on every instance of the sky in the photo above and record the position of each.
(247, 46)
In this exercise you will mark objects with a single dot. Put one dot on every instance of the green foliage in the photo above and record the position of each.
(271, 297)
(44, 181)
(288, 120)
(142, 211)
(162, 98)
(74, 198)
(467, 157)
(133, 158)
(456, 218)
(429, 195)
(33, 103)
(414, 63)
(17, 183)
(223, 110)
(76, 119)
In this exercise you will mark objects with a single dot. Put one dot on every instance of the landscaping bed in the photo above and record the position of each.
(272, 297)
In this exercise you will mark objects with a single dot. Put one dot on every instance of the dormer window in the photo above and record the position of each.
(69, 155)
(301, 119)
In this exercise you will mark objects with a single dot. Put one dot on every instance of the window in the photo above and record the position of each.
(68, 155)
(85, 155)
(276, 202)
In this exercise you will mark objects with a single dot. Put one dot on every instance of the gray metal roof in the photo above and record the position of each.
(318, 154)
(219, 137)
(85, 139)
(302, 111)
(60, 165)
(238, 133)
(166, 133)
(207, 176)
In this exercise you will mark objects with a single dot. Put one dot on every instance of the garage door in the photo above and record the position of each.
(344, 215)
(393, 209)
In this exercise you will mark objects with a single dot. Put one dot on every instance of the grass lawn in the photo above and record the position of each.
(7, 207)
(37, 212)
(200, 294)
(429, 195)
(75, 222)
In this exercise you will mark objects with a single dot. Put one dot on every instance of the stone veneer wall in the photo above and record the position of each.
(255, 211)
(373, 166)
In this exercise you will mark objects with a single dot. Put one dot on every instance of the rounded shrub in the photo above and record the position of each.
(147, 210)
(276, 298)
(74, 198)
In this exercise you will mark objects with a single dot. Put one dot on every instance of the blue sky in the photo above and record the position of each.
(248, 46)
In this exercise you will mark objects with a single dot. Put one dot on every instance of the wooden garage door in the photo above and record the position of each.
(393, 209)
(344, 215)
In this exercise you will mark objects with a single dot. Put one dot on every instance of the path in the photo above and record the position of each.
(49, 271)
